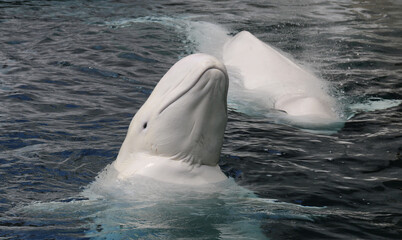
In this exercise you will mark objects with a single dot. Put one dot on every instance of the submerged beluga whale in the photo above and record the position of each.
(177, 135)
(277, 81)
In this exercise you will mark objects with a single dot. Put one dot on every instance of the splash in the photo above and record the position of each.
(200, 36)
(139, 207)
(143, 207)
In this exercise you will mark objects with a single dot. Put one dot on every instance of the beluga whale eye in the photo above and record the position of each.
(145, 125)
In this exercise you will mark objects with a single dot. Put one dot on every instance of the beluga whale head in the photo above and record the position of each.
(177, 135)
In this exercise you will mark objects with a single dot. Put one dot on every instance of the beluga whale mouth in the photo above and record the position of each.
(177, 135)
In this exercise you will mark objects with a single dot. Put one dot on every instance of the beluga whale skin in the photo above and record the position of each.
(177, 135)
(280, 83)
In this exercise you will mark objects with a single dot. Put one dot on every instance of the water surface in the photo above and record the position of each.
(73, 73)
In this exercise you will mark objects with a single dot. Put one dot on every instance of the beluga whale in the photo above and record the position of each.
(165, 182)
(177, 135)
(268, 76)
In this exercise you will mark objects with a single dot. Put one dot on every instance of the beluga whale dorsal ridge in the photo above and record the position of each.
(177, 135)
(269, 73)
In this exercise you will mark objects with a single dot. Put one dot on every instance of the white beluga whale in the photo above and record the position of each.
(177, 135)
(277, 82)
(165, 182)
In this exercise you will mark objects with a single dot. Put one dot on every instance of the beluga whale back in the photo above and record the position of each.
(278, 81)
(177, 135)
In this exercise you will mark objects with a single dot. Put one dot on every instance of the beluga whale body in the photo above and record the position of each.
(177, 135)
(267, 75)
(165, 182)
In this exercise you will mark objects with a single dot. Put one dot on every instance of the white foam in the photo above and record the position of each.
(209, 38)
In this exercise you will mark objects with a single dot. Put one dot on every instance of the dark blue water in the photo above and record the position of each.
(73, 73)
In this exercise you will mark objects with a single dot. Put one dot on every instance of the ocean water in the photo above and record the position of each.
(73, 73)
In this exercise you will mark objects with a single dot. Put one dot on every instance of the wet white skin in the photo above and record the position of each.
(273, 76)
(177, 135)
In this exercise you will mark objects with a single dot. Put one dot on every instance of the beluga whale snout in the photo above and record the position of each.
(177, 135)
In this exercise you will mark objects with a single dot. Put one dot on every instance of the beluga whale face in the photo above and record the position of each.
(177, 135)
